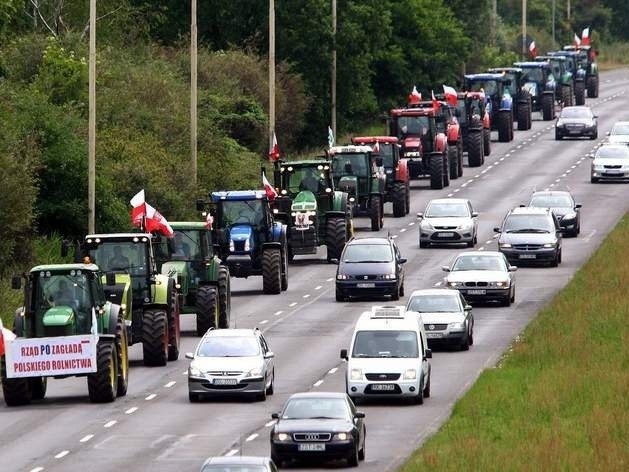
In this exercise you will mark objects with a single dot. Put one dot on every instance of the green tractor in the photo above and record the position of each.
(149, 298)
(587, 61)
(565, 83)
(203, 281)
(314, 213)
(67, 327)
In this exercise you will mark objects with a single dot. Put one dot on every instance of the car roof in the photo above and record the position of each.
(370, 240)
(63, 268)
(526, 210)
(480, 253)
(448, 200)
(551, 192)
(318, 395)
(244, 460)
(435, 291)
(576, 107)
(623, 123)
(231, 332)
(613, 146)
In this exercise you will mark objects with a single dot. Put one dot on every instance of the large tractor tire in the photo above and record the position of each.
(376, 213)
(224, 297)
(174, 332)
(592, 86)
(122, 349)
(16, 392)
(103, 384)
(453, 165)
(207, 309)
(524, 117)
(155, 337)
(272, 271)
(459, 151)
(579, 93)
(284, 279)
(335, 237)
(548, 107)
(446, 174)
(505, 126)
(486, 143)
(566, 94)
(475, 148)
(398, 195)
(38, 387)
(436, 171)
(407, 193)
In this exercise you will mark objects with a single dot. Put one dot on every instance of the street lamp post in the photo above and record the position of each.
(271, 71)
(91, 133)
(193, 91)
(523, 29)
(333, 91)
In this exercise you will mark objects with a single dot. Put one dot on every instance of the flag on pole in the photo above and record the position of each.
(274, 149)
(435, 103)
(451, 95)
(268, 188)
(415, 97)
(209, 220)
(330, 137)
(147, 218)
(577, 40)
(376, 148)
(585, 36)
(532, 49)
(139, 208)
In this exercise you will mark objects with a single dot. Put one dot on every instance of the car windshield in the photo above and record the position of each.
(234, 468)
(229, 346)
(444, 210)
(551, 201)
(315, 408)
(620, 129)
(246, 212)
(490, 87)
(412, 126)
(528, 224)
(312, 178)
(385, 344)
(609, 152)
(576, 112)
(351, 164)
(185, 246)
(121, 256)
(533, 74)
(434, 303)
(386, 153)
(478, 262)
(358, 253)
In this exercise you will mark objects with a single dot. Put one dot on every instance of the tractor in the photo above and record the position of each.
(495, 87)
(203, 280)
(587, 59)
(359, 172)
(314, 213)
(578, 74)
(522, 104)
(67, 327)
(424, 143)
(539, 82)
(248, 239)
(395, 170)
(563, 76)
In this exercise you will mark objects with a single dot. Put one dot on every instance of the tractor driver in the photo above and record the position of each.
(119, 261)
(312, 182)
(63, 295)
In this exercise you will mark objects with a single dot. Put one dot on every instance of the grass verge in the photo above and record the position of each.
(558, 399)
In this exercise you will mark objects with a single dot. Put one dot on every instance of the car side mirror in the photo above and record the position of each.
(428, 354)
(445, 268)
(474, 214)
(269, 355)
(402, 260)
(496, 230)
(189, 355)
(522, 205)
(359, 414)
(468, 307)
(334, 261)
(577, 206)
(420, 215)
(16, 282)
(344, 354)
(275, 416)
(513, 268)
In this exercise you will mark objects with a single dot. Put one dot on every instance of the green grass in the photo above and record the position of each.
(559, 399)
(613, 56)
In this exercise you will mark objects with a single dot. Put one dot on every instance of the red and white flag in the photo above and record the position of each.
(577, 40)
(415, 97)
(139, 208)
(435, 103)
(268, 188)
(451, 95)
(532, 49)
(5, 335)
(155, 222)
(376, 148)
(274, 149)
(585, 36)
(209, 220)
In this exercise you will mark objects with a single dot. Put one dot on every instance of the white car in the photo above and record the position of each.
(482, 275)
(447, 316)
(448, 220)
(619, 133)
(611, 162)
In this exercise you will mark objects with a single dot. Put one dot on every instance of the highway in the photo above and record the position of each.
(154, 428)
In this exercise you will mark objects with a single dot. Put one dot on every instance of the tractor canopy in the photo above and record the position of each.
(537, 77)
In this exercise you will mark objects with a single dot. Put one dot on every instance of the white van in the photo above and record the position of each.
(388, 356)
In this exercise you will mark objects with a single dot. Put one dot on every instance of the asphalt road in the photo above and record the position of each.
(154, 428)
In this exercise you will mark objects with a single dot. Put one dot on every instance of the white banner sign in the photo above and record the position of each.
(63, 355)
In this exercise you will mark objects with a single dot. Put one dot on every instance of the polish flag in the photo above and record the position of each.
(268, 188)
(532, 49)
(415, 97)
(5, 335)
(155, 222)
(376, 148)
(577, 40)
(209, 220)
(139, 208)
(435, 103)
(451, 95)
(585, 36)
(274, 149)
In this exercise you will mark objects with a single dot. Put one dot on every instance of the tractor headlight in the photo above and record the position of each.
(247, 244)
(232, 248)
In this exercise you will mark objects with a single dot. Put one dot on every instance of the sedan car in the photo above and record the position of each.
(611, 162)
(619, 133)
(230, 362)
(576, 122)
(239, 464)
(482, 275)
(370, 267)
(563, 207)
(448, 220)
(318, 426)
(446, 315)
(530, 234)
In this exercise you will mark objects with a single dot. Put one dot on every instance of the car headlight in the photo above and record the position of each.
(342, 277)
(455, 284)
(389, 276)
(569, 216)
(598, 168)
(410, 374)
(193, 371)
(425, 225)
(356, 374)
(549, 245)
(501, 283)
(341, 436)
(466, 225)
(457, 326)
(232, 248)
(255, 372)
(504, 245)
(281, 437)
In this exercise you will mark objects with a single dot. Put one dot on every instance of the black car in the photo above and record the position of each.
(563, 206)
(370, 267)
(531, 235)
(576, 122)
(318, 426)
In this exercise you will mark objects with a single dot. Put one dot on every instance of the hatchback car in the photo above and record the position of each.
(370, 267)
(576, 122)
(318, 426)
(611, 162)
(482, 276)
(530, 234)
(619, 133)
(563, 206)
(448, 220)
(446, 315)
(230, 362)
(239, 464)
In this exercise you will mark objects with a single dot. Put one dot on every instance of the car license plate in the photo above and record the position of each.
(225, 381)
(612, 171)
(445, 235)
(366, 285)
(311, 447)
(477, 291)
(434, 335)
(528, 256)
(382, 387)
(574, 131)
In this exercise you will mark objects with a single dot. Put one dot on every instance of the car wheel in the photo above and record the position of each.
(513, 295)
(194, 397)
(559, 257)
(471, 337)
(277, 460)
(465, 344)
(395, 295)
(402, 289)
(262, 395)
(352, 460)
(470, 243)
(426, 391)
(593, 180)
(339, 296)
(555, 261)
(423, 244)
(419, 399)
(271, 389)
(361, 452)
(506, 301)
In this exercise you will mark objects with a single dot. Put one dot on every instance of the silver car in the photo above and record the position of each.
(611, 162)
(619, 133)
(239, 464)
(229, 362)
(447, 316)
(448, 220)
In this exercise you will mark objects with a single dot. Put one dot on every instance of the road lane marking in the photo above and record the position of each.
(84, 439)
(477, 176)
(110, 424)
(292, 304)
(172, 382)
(269, 424)
(557, 180)
(185, 372)
(307, 295)
(402, 230)
(333, 370)
(394, 236)
(481, 248)
(411, 223)
(330, 279)
(318, 287)
(450, 194)
(62, 454)
(318, 382)
(150, 397)
(264, 321)
(438, 284)
(489, 242)
(37, 469)
(456, 190)
(251, 437)
(278, 313)
(131, 410)
(232, 452)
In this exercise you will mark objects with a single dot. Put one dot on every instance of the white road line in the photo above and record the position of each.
(483, 171)
(232, 452)
(496, 163)
(333, 370)
(501, 159)
(489, 167)
(150, 397)
(110, 424)
(564, 175)
(318, 382)
(84, 439)
(519, 146)
(481, 248)
(573, 167)
(402, 230)
(438, 284)
(394, 236)
(278, 313)
(264, 321)
(557, 180)
(318, 287)
(490, 241)
(411, 223)
(456, 190)
(131, 410)
(270, 423)
(552, 185)
(37, 469)
(568, 171)
(450, 194)
(330, 279)
(464, 185)
(307, 295)
(477, 176)
(62, 454)
(171, 383)
(292, 304)
(251, 437)
(185, 372)
(469, 181)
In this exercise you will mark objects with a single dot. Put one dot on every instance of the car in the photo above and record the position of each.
(239, 464)
(446, 315)
(448, 220)
(562, 204)
(370, 267)
(575, 122)
(482, 276)
(388, 356)
(530, 234)
(619, 133)
(611, 162)
(231, 362)
(318, 426)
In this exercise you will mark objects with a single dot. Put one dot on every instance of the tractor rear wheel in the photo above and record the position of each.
(272, 271)
(548, 107)
(224, 297)
(155, 337)
(174, 333)
(122, 349)
(566, 93)
(38, 387)
(459, 157)
(452, 163)
(474, 148)
(592, 86)
(16, 392)
(436, 171)
(523, 117)
(284, 281)
(446, 174)
(504, 122)
(486, 144)
(103, 384)
(398, 195)
(335, 237)
(407, 196)
(375, 213)
(207, 309)
(579, 93)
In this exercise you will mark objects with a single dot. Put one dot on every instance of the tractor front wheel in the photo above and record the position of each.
(335, 237)
(486, 144)
(224, 297)
(174, 333)
(475, 149)
(375, 212)
(155, 337)
(122, 349)
(436, 171)
(103, 384)
(579, 93)
(398, 194)
(207, 309)
(548, 107)
(453, 162)
(38, 387)
(271, 271)
(505, 126)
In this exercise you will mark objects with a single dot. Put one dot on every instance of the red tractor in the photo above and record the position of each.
(397, 188)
